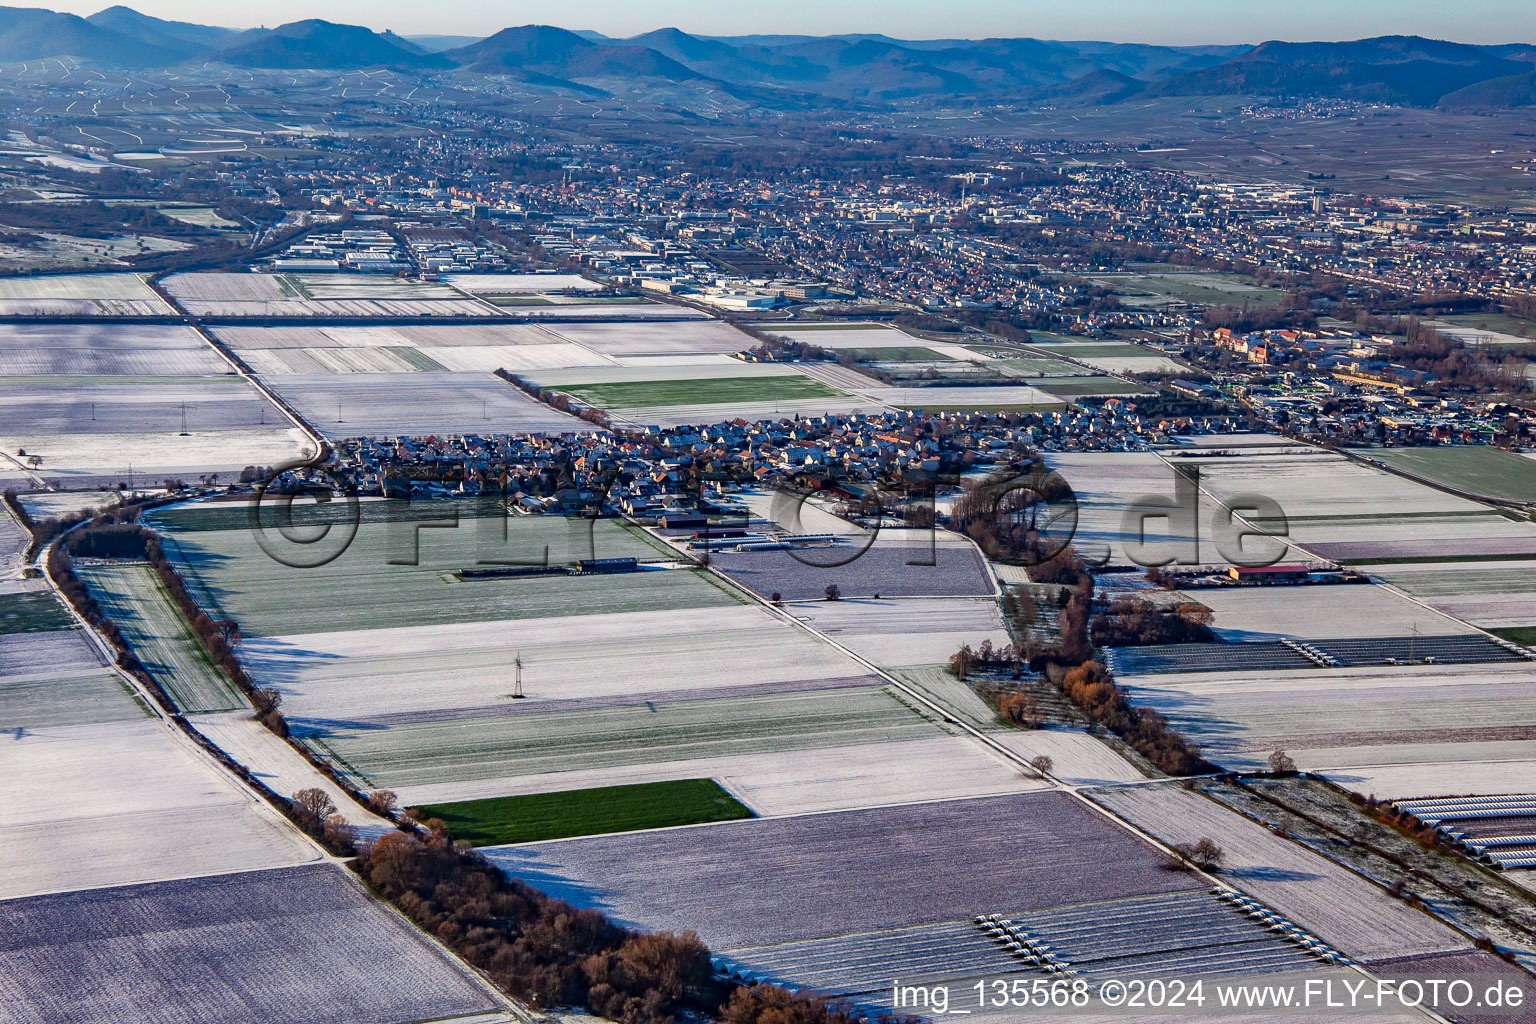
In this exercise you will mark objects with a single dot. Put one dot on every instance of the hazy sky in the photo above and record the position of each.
(1153, 21)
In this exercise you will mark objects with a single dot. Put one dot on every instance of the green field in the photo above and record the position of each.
(1105, 350)
(636, 394)
(1051, 338)
(32, 613)
(1524, 635)
(586, 812)
(1476, 469)
(131, 596)
(518, 300)
(1075, 386)
(896, 354)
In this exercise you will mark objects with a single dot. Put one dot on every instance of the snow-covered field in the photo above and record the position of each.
(903, 632)
(155, 455)
(1341, 908)
(635, 339)
(478, 348)
(1318, 612)
(568, 661)
(760, 881)
(418, 404)
(999, 396)
(277, 765)
(1462, 778)
(1076, 758)
(84, 350)
(1108, 484)
(1349, 716)
(519, 284)
(310, 944)
(791, 782)
(848, 336)
(120, 798)
(1489, 594)
(706, 368)
(79, 295)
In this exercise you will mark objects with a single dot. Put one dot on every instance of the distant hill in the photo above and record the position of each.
(30, 34)
(561, 55)
(1494, 94)
(157, 31)
(321, 44)
(1390, 69)
(789, 72)
(1096, 87)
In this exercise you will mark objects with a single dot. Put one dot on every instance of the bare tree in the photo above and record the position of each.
(1042, 764)
(338, 834)
(1203, 854)
(316, 802)
(833, 592)
(383, 802)
(1280, 763)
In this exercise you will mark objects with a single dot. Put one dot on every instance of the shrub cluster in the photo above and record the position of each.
(1133, 621)
(1090, 687)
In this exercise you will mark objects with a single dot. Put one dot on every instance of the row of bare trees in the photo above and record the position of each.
(549, 953)
(555, 400)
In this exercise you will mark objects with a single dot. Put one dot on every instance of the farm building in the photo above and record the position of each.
(1254, 574)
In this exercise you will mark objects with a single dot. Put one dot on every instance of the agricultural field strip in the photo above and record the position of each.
(232, 577)
(847, 965)
(1183, 933)
(278, 766)
(701, 337)
(78, 286)
(1476, 469)
(775, 409)
(919, 864)
(87, 350)
(904, 632)
(132, 597)
(128, 801)
(1433, 778)
(980, 396)
(801, 781)
(636, 396)
(1327, 899)
(464, 348)
(897, 564)
(57, 679)
(515, 284)
(1252, 710)
(425, 752)
(668, 372)
(1319, 612)
(101, 424)
(465, 668)
(417, 403)
(1108, 484)
(305, 937)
